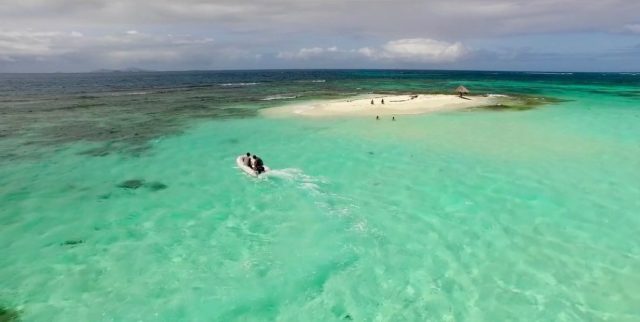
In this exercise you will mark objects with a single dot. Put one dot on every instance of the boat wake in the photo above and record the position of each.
(331, 204)
(298, 176)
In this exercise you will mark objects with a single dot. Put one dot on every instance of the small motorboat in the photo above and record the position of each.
(248, 170)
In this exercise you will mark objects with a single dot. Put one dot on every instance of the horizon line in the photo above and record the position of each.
(143, 70)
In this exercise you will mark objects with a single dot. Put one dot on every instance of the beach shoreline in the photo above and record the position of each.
(377, 104)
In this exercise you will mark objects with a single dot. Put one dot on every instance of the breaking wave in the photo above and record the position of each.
(278, 97)
(549, 73)
(312, 81)
(238, 84)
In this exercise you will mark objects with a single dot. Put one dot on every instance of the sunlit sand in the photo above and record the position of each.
(393, 105)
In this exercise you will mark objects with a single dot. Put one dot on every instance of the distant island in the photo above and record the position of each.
(125, 70)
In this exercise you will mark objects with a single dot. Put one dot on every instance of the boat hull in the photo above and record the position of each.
(248, 170)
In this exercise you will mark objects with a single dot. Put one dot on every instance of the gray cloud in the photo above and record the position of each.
(634, 28)
(51, 50)
(401, 18)
(418, 50)
(87, 34)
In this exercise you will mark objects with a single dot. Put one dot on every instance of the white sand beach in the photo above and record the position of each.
(393, 105)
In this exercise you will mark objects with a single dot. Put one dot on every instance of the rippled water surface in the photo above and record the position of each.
(120, 200)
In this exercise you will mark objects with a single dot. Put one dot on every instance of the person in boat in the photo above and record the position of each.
(258, 166)
(246, 160)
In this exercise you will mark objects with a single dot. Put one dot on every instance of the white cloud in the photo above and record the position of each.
(306, 53)
(422, 50)
(633, 28)
(413, 50)
(134, 56)
(367, 52)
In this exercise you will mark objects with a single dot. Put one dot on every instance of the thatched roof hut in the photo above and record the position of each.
(461, 90)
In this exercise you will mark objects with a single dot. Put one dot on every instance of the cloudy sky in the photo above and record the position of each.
(544, 35)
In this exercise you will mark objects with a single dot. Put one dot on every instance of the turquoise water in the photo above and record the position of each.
(479, 215)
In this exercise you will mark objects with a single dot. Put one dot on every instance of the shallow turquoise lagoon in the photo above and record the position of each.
(477, 215)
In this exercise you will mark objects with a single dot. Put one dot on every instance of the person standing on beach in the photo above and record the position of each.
(371, 102)
(382, 101)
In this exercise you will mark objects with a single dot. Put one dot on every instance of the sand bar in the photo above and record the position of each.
(393, 105)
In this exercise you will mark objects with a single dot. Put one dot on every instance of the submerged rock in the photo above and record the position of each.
(102, 151)
(9, 315)
(137, 183)
(105, 196)
(72, 242)
(131, 184)
(156, 186)
(521, 103)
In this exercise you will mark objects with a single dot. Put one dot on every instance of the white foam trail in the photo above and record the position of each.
(293, 174)
(238, 84)
(332, 204)
(278, 97)
(298, 176)
(497, 95)
(288, 174)
(129, 93)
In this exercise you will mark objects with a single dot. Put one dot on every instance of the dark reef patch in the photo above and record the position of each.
(72, 242)
(101, 151)
(156, 186)
(134, 184)
(621, 93)
(104, 196)
(109, 148)
(119, 124)
(191, 107)
(131, 184)
(224, 113)
(82, 106)
(504, 107)
(9, 315)
(521, 103)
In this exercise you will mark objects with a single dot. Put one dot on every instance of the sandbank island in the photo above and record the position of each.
(393, 105)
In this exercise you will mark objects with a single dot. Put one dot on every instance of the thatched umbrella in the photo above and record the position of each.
(461, 90)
